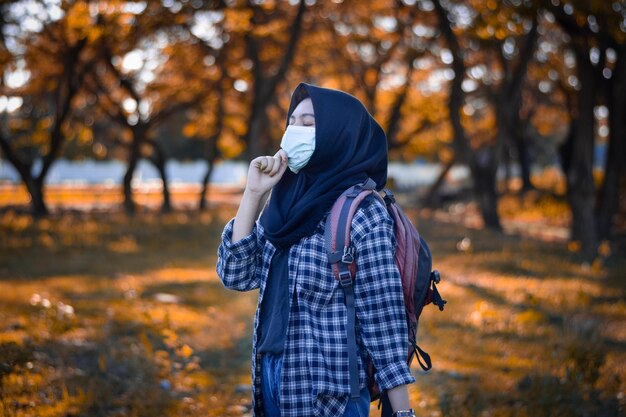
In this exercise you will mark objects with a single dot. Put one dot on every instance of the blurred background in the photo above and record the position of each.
(126, 128)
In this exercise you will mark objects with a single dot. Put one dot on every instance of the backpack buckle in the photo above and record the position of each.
(348, 254)
(389, 197)
(435, 276)
(369, 184)
(345, 278)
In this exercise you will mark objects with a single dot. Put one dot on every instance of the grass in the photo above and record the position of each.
(106, 315)
(527, 331)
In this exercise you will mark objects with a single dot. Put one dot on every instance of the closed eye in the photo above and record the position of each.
(306, 119)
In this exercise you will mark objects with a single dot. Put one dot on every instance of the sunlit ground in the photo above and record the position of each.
(106, 315)
(86, 197)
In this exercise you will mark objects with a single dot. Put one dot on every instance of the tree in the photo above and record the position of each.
(271, 52)
(594, 29)
(129, 96)
(483, 160)
(220, 120)
(500, 32)
(55, 60)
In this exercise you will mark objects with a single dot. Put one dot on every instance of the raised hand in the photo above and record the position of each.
(265, 171)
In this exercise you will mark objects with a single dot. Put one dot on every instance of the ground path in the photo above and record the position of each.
(103, 315)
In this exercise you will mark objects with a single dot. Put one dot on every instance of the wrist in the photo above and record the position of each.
(254, 195)
(404, 413)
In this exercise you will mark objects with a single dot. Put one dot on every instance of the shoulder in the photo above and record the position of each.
(371, 213)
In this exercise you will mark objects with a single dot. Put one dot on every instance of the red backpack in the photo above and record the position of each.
(414, 262)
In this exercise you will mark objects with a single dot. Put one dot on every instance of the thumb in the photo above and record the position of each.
(283, 165)
(282, 155)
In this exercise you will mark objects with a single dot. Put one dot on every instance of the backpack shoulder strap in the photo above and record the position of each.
(337, 229)
(341, 255)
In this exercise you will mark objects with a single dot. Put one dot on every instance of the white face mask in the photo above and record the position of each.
(299, 143)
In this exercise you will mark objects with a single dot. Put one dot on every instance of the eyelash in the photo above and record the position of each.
(304, 124)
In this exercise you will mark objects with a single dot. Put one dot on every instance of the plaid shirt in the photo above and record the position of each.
(315, 379)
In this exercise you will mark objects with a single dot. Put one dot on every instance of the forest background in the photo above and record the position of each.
(119, 311)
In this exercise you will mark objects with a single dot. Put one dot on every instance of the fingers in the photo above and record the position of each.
(279, 163)
(260, 163)
(270, 165)
(282, 155)
(263, 163)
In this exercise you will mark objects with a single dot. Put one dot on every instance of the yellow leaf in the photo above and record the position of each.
(230, 146)
(39, 137)
(65, 393)
(190, 130)
(573, 246)
(604, 249)
(102, 362)
(126, 135)
(79, 21)
(185, 351)
(146, 343)
(85, 135)
(94, 34)
(237, 20)
(44, 123)
(597, 265)
(170, 337)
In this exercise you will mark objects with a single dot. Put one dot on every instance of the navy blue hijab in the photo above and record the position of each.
(350, 146)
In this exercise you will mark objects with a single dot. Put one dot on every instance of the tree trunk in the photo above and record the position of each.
(515, 97)
(68, 84)
(206, 181)
(484, 168)
(431, 196)
(393, 126)
(33, 186)
(508, 102)
(581, 188)
(37, 203)
(257, 142)
(484, 185)
(485, 162)
(129, 204)
(256, 138)
(521, 146)
(133, 159)
(609, 194)
(506, 164)
(565, 149)
(212, 154)
(158, 160)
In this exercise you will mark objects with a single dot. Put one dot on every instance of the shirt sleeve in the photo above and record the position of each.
(237, 262)
(379, 304)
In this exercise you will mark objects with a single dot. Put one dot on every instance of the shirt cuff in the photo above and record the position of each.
(393, 375)
(243, 248)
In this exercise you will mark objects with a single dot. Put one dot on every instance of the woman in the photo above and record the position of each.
(300, 359)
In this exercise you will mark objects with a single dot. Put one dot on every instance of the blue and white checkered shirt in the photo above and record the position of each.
(315, 380)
